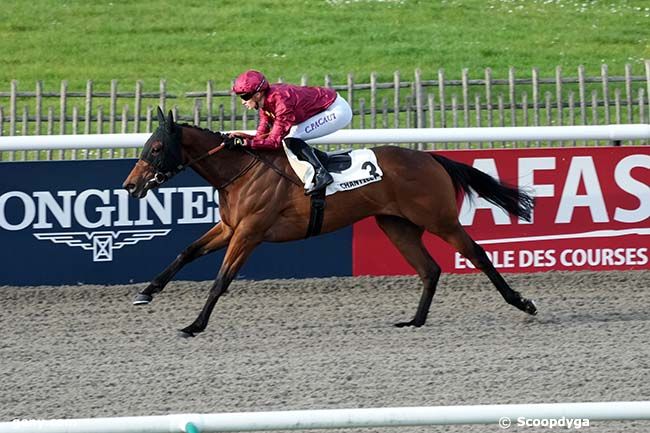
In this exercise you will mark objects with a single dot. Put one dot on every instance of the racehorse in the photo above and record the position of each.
(262, 200)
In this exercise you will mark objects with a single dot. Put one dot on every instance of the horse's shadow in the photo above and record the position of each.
(565, 318)
(590, 317)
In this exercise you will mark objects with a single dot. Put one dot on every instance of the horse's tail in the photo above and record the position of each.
(466, 178)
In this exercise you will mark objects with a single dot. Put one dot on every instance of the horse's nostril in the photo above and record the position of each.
(129, 187)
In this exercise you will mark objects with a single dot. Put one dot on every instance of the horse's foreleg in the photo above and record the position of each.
(239, 249)
(459, 238)
(407, 237)
(216, 238)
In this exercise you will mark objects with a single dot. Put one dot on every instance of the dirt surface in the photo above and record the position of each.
(85, 351)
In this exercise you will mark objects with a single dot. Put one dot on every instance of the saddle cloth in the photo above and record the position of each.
(350, 168)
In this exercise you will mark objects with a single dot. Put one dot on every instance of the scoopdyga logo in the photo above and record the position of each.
(102, 222)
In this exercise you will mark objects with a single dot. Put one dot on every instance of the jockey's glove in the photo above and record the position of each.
(234, 142)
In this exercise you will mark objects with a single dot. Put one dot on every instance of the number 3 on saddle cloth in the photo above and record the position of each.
(350, 169)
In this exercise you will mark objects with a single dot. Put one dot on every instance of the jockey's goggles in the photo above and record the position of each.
(247, 96)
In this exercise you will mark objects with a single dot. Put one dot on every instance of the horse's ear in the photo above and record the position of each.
(161, 117)
(170, 121)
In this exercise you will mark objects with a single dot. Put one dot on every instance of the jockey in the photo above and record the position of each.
(293, 114)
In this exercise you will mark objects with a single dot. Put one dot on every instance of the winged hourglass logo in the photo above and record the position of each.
(102, 243)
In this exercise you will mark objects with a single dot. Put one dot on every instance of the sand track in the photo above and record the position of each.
(85, 351)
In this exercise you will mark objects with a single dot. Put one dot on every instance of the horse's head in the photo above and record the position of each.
(161, 158)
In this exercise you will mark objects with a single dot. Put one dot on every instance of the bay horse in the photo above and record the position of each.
(262, 200)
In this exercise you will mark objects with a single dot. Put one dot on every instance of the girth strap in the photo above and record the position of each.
(317, 213)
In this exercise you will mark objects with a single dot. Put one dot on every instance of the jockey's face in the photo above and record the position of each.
(255, 101)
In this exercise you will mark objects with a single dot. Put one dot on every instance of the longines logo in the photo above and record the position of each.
(102, 244)
(103, 221)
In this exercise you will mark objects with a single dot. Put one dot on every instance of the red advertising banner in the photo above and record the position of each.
(592, 212)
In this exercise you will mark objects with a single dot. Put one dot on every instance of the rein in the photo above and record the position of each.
(271, 166)
(199, 158)
(256, 158)
(240, 174)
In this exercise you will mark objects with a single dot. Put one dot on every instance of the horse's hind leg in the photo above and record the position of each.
(215, 238)
(458, 237)
(407, 237)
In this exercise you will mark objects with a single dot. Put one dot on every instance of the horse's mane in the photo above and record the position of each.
(218, 134)
(187, 125)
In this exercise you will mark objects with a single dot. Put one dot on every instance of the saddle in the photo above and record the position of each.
(335, 162)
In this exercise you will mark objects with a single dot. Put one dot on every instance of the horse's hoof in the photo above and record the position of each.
(184, 333)
(530, 307)
(142, 299)
(412, 323)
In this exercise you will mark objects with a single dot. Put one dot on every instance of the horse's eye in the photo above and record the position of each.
(156, 148)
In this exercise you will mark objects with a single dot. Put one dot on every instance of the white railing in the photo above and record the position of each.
(566, 415)
(359, 136)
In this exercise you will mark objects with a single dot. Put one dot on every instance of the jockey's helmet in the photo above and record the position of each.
(249, 83)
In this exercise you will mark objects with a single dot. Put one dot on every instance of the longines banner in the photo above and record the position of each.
(592, 212)
(71, 222)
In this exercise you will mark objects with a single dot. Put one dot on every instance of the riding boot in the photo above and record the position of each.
(321, 178)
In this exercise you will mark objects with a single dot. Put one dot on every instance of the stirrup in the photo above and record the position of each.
(325, 180)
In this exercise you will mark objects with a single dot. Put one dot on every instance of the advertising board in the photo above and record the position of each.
(69, 222)
(592, 212)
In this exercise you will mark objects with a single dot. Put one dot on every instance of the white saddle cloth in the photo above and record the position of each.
(363, 170)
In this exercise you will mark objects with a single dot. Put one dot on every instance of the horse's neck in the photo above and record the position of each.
(223, 167)
(216, 168)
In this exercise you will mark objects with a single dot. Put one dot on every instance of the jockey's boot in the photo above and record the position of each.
(321, 177)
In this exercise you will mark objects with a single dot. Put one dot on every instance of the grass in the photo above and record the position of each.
(188, 42)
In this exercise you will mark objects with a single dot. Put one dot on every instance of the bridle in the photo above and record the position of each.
(161, 177)
(164, 170)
